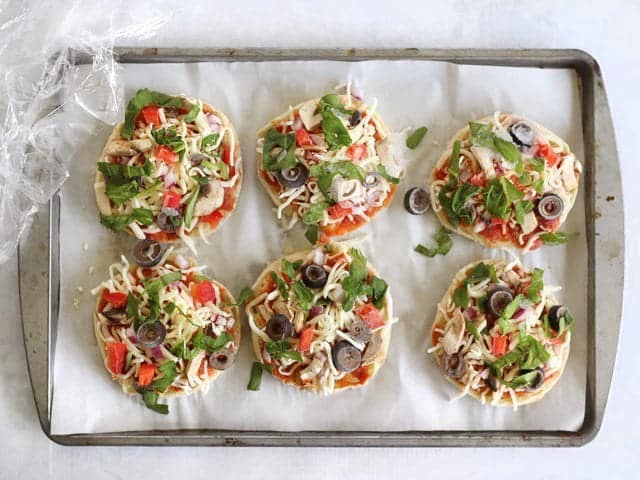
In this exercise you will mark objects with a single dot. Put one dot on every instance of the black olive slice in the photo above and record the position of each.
(222, 359)
(278, 327)
(314, 276)
(522, 134)
(148, 253)
(550, 206)
(196, 159)
(372, 348)
(116, 316)
(454, 365)
(371, 179)
(492, 382)
(536, 382)
(359, 330)
(416, 201)
(556, 314)
(151, 334)
(169, 220)
(346, 357)
(355, 118)
(293, 177)
(498, 298)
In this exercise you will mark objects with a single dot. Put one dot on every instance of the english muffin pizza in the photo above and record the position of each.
(500, 334)
(321, 319)
(507, 182)
(172, 170)
(164, 328)
(328, 162)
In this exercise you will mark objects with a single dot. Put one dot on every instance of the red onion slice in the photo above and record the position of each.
(156, 352)
(315, 311)
(356, 91)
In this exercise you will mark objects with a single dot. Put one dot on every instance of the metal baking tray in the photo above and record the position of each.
(39, 264)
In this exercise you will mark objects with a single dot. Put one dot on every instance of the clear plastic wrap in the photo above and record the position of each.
(38, 78)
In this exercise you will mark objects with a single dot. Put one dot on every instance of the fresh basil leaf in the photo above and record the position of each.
(133, 306)
(508, 313)
(335, 133)
(383, 173)
(325, 172)
(312, 234)
(210, 344)
(538, 164)
(119, 194)
(193, 113)
(181, 350)
(150, 399)
(290, 268)
(281, 284)
(282, 349)
(116, 223)
(533, 353)
(416, 137)
(473, 329)
(509, 151)
(170, 138)
(505, 360)
(555, 238)
(209, 140)
(521, 380)
(521, 209)
(355, 284)
(480, 272)
(143, 216)
(303, 294)
(285, 157)
(461, 296)
(525, 179)
(455, 202)
(454, 163)
(169, 278)
(152, 189)
(141, 99)
(256, 377)
(314, 213)
(219, 167)
(481, 135)
(118, 171)
(191, 205)
(538, 185)
(169, 373)
(378, 290)
(444, 244)
(536, 285)
(332, 100)
(245, 294)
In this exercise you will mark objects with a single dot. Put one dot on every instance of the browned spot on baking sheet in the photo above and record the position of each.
(610, 198)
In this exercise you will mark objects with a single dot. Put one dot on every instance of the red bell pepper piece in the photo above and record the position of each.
(202, 292)
(116, 355)
(116, 299)
(370, 315)
(337, 211)
(499, 345)
(306, 337)
(166, 154)
(146, 373)
(303, 137)
(171, 199)
(150, 115)
(545, 151)
(356, 151)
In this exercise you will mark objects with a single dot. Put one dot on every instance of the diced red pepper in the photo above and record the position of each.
(356, 151)
(371, 315)
(545, 151)
(303, 138)
(202, 292)
(337, 211)
(499, 345)
(116, 299)
(171, 199)
(306, 337)
(226, 155)
(116, 355)
(151, 115)
(146, 373)
(166, 154)
(478, 179)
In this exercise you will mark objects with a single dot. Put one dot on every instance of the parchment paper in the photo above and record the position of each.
(409, 393)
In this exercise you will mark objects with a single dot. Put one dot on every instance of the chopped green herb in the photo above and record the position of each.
(278, 151)
(169, 373)
(555, 238)
(312, 234)
(443, 241)
(313, 214)
(324, 173)
(480, 272)
(150, 399)
(119, 194)
(521, 208)
(538, 164)
(256, 377)
(245, 294)
(282, 349)
(383, 173)
(193, 113)
(290, 268)
(191, 205)
(209, 141)
(461, 296)
(454, 163)
(482, 135)
(378, 290)
(536, 285)
(169, 136)
(141, 99)
(538, 185)
(354, 285)
(335, 133)
(455, 201)
(469, 325)
(118, 223)
(416, 137)
(181, 350)
(508, 313)
(281, 284)
(303, 294)
(210, 344)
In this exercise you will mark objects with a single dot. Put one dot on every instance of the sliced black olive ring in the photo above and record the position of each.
(346, 357)
(151, 334)
(498, 298)
(222, 359)
(550, 206)
(314, 276)
(556, 314)
(536, 381)
(522, 134)
(416, 201)
(359, 330)
(293, 177)
(454, 365)
(148, 253)
(169, 219)
(278, 327)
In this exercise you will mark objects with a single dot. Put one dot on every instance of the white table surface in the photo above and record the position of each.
(608, 31)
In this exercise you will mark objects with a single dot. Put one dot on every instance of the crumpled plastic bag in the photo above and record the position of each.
(39, 81)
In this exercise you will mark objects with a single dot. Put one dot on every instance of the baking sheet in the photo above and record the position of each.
(409, 393)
